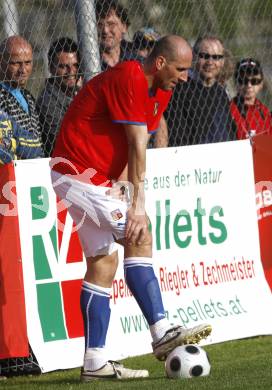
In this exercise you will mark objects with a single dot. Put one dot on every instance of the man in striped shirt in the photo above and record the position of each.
(16, 101)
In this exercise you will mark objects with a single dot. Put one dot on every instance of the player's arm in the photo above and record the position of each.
(137, 226)
(161, 137)
(120, 187)
(124, 175)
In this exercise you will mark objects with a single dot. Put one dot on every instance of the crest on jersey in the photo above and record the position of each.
(116, 215)
(156, 108)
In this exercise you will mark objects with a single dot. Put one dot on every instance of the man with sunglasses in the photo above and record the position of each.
(199, 110)
(250, 115)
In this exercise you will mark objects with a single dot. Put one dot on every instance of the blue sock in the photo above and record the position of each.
(143, 284)
(95, 308)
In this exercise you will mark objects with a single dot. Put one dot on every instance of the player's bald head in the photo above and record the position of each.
(171, 47)
(168, 63)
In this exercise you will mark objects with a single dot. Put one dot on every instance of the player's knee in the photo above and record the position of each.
(140, 250)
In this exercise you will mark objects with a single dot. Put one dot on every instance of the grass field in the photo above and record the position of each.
(243, 364)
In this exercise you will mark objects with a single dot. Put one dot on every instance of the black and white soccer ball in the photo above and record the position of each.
(187, 361)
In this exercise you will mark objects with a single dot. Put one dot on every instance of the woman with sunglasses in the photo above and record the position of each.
(250, 115)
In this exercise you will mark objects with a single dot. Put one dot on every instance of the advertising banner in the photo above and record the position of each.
(201, 202)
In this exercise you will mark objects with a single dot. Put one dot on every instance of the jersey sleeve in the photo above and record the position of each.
(127, 95)
(157, 105)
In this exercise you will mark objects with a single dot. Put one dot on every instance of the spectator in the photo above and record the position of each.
(199, 110)
(143, 41)
(59, 90)
(250, 115)
(19, 121)
(112, 25)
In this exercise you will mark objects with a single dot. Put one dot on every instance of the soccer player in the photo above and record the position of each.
(104, 130)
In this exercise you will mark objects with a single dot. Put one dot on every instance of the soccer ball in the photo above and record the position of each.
(187, 361)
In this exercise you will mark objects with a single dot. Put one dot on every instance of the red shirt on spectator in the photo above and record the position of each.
(256, 117)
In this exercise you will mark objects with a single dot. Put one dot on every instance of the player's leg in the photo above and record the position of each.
(99, 249)
(95, 306)
(142, 282)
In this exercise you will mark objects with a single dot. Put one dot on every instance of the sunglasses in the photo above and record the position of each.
(252, 81)
(207, 56)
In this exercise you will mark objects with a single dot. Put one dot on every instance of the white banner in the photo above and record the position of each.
(201, 203)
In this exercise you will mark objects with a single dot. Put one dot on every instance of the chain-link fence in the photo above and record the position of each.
(243, 26)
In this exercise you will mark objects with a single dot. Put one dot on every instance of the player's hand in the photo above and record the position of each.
(136, 228)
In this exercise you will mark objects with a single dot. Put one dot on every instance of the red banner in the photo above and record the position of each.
(13, 331)
(262, 155)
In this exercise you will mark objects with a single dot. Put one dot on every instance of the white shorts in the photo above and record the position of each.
(100, 219)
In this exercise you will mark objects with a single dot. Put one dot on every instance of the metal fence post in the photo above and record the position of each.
(87, 38)
(11, 21)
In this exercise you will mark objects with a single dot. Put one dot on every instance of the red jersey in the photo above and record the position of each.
(92, 134)
(256, 117)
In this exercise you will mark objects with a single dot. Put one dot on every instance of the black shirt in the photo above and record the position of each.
(197, 114)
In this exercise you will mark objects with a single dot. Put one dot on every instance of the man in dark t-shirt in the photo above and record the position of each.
(199, 110)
